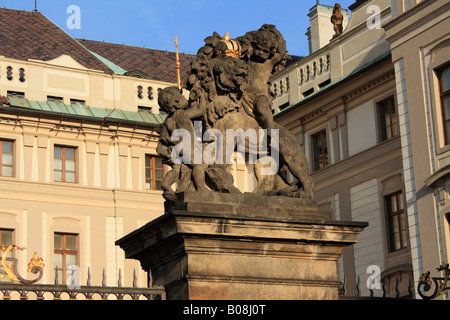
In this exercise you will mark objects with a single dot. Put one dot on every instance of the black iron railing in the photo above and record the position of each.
(22, 291)
(439, 283)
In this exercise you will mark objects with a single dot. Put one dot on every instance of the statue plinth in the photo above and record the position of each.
(242, 246)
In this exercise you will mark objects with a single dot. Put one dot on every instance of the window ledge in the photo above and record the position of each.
(398, 252)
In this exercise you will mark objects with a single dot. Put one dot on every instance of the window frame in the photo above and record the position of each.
(439, 54)
(443, 94)
(63, 163)
(18, 94)
(77, 101)
(153, 169)
(65, 252)
(13, 158)
(11, 254)
(390, 216)
(382, 126)
(55, 99)
(316, 162)
(7, 229)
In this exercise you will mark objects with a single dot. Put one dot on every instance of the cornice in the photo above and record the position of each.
(351, 95)
(312, 115)
(368, 85)
(392, 35)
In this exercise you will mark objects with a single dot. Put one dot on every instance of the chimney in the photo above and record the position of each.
(321, 29)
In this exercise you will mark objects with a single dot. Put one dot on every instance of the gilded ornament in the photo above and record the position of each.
(36, 261)
(8, 267)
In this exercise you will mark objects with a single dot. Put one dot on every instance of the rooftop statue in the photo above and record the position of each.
(336, 19)
(229, 110)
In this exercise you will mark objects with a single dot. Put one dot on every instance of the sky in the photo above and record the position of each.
(154, 24)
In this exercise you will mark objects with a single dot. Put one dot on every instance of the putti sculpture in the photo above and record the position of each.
(229, 110)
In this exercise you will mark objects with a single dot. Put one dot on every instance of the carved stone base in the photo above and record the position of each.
(242, 247)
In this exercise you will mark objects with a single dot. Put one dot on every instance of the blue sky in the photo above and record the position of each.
(154, 24)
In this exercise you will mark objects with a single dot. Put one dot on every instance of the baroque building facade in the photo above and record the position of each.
(346, 102)
(420, 44)
(79, 125)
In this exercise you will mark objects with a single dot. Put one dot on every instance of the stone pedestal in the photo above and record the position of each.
(242, 246)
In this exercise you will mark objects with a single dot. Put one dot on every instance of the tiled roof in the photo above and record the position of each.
(156, 64)
(292, 59)
(30, 35)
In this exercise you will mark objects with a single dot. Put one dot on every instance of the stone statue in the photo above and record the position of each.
(180, 116)
(229, 90)
(336, 20)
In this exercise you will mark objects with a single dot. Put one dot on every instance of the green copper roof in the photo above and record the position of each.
(79, 109)
(114, 67)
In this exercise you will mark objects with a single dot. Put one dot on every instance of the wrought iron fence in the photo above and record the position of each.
(427, 287)
(384, 293)
(439, 283)
(23, 291)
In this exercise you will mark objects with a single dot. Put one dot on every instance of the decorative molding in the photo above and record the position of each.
(310, 116)
(352, 95)
(369, 85)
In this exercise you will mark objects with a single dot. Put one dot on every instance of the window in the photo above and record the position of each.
(77, 101)
(388, 118)
(396, 221)
(308, 92)
(325, 83)
(56, 99)
(7, 239)
(66, 254)
(15, 94)
(7, 158)
(320, 150)
(155, 171)
(283, 106)
(444, 90)
(64, 164)
(143, 108)
(447, 216)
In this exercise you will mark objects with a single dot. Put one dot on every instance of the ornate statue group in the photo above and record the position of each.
(229, 88)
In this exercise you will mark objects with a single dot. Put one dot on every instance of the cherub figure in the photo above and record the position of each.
(180, 116)
(265, 51)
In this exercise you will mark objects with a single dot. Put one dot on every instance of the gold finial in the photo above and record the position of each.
(178, 66)
(226, 36)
